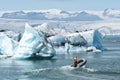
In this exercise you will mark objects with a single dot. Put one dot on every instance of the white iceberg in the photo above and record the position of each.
(33, 44)
(76, 39)
(92, 49)
(88, 36)
(7, 46)
(13, 35)
(85, 39)
(57, 40)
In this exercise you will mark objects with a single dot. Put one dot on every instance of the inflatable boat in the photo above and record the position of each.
(80, 63)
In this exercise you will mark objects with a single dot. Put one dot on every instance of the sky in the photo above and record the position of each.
(66, 5)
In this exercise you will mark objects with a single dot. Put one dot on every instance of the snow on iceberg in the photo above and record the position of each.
(33, 42)
(7, 46)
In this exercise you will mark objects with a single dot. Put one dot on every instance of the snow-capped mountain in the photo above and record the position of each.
(112, 13)
(83, 16)
(23, 15)
(52, 14)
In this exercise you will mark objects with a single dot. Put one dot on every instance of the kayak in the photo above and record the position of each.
(80, 63)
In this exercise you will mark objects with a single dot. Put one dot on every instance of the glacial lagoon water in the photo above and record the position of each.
(100, 66)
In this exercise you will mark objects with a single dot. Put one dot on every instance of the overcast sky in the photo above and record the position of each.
(68, 5)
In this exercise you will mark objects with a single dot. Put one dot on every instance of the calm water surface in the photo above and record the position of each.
(100, 66)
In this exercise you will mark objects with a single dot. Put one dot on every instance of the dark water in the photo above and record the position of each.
(100, 66)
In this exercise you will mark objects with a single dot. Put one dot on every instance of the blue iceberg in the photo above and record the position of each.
(93, 38)
(97, 40)
(33, 44)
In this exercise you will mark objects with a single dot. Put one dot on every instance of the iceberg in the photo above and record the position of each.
(81, 39)
(93, 49)
(97, 40)
(46, 51)
(93, 38)
(72, 38)
(33, 44)
(13, 35)
(57, 40)
(7, 45)
(76, 39)
(88, 36)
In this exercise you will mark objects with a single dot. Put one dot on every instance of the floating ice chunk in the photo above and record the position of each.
(33, 42)
(76, 39)
(93, 38)
(92, 49)
(97, 40)
(86, 39)
(7, 46)
(13, 35)
(88, 36)
(57, 40)
(47, 50)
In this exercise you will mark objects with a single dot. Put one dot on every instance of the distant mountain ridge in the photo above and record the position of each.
(23, 15)
(52, 15)
(56, 14)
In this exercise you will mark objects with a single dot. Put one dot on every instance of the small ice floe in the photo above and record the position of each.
(92, 49)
